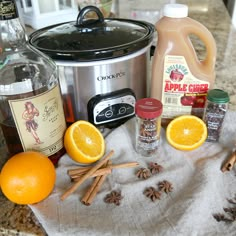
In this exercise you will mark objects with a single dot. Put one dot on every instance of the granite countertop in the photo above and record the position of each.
(19, 220)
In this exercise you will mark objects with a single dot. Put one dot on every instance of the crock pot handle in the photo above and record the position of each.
(80, 18)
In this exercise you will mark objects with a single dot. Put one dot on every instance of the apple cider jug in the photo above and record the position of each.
(180, 80)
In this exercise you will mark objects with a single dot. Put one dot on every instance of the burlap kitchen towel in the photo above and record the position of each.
(200, 190)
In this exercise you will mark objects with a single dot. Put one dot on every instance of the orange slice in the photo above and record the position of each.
(84, 143)
(186, 132)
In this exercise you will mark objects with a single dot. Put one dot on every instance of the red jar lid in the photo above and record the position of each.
(148, 108)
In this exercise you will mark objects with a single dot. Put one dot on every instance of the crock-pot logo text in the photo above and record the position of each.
(118, 75)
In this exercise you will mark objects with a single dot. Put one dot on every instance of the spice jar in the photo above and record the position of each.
(215, 109)
(148, 125)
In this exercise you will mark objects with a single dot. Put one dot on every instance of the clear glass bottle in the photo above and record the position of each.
(148, 126)
(215, 110)
(31, 108)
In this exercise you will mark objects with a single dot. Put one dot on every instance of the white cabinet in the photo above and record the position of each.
(42, 13)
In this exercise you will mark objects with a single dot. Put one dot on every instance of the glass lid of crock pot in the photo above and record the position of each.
(93, 39)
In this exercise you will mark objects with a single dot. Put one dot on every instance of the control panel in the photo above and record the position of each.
(111, 107)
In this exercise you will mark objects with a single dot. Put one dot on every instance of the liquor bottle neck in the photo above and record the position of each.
(12, 33)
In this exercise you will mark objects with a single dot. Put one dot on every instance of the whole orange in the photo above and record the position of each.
(28, 178)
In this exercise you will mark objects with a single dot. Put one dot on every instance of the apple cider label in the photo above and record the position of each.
(40, 121)
(182, 93)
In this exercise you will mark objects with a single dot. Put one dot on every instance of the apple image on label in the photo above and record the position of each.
(187, 100)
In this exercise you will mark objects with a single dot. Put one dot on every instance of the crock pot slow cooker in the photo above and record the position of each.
(102, 64)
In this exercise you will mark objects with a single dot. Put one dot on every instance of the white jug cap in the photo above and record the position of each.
(175, 10)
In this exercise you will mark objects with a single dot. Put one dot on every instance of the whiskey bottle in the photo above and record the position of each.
(31, 108)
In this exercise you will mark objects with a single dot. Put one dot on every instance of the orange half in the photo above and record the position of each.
(84, 143)
(186, 132)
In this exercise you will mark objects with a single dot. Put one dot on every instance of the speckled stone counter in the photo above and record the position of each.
(19, 220)
(16, 219)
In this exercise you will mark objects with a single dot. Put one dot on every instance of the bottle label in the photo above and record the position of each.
(40, 121)
(148, 136)
(214, 117)
(182, 93)
(8, 10)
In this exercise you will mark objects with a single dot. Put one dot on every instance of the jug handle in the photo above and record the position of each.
(200, 30)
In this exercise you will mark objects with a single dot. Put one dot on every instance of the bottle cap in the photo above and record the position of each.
(8, 10)
(175, 10)
(218, 96)
(148, 108)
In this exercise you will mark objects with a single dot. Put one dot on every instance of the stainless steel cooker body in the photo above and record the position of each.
(104, 92)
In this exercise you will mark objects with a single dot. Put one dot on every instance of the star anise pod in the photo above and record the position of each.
(152, 193)
(113, 197)
(155, 167)
(231, 211)
(232, 201)
(143, 173)
(165, 186)
(221, 217)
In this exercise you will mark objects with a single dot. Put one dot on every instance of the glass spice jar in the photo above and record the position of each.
(148, 125)
(214, 113)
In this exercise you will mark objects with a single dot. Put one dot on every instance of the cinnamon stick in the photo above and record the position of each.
(124, 165)
(99, 172)
(74, 173)
(229, 163)
(79, 170)
(86, 176)
(93, 190)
